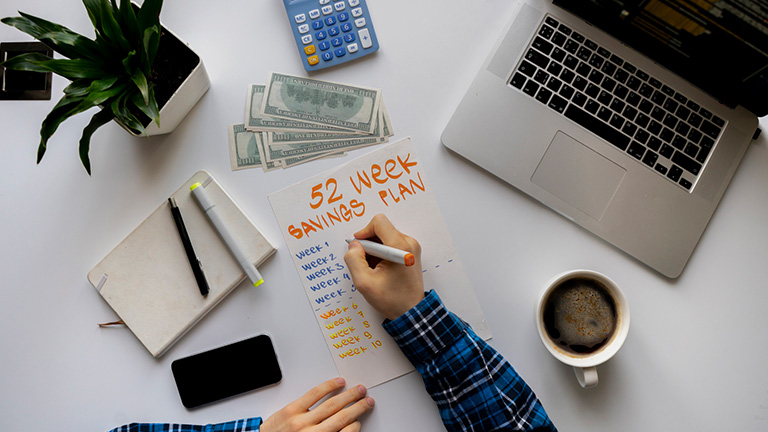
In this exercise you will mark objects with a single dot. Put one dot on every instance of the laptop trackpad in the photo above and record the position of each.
(578, 175)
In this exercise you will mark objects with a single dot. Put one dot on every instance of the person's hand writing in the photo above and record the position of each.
(338, 413)
(392, 289)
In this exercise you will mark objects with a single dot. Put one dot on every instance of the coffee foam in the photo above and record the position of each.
(580, 315)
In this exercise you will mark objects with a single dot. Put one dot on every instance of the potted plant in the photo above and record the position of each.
(138, 73)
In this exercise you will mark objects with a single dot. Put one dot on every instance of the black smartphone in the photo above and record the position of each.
(226, 371)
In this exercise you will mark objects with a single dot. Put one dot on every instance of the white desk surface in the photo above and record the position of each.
(694, 359)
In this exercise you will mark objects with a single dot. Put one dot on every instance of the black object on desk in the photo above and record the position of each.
(194, 261)
(22, 85)
(226, 371)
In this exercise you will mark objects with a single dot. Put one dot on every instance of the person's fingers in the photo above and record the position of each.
(413, 245)
(382, 228)
(337, 403)
(367, 231)
(347, 417)
(316, 394)
(354, 427)
(357, 263)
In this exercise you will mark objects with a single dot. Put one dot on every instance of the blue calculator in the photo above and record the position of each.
(329, 33)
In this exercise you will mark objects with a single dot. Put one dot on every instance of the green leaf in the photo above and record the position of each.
(106, 50)
(151, 44)
(71, 69)
(78, 87)
(57, 37)
(149, 26)
(82, 87)
(111, 27)
(58, 114)
(93, 7)
(103, 19)
(120, 108)
(129, 62)
(98, 120)
(98, 93)
(112, 71)
(104, 84)
(149, 14)
(71, 45)
(27, 62)
(32, 25)
(128, 21)
(141, 83)
(150, 108)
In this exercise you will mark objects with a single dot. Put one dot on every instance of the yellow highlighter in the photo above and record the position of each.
(209, 208)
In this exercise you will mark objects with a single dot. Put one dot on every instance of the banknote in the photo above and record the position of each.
(265, 164)
(319, 102)
(287, 163)
(306, 120)
(258, 122)
(249, 150)
(243, 148)
(382, 130)
(276, 153)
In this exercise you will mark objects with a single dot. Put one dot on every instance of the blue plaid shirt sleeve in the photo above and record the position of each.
(474, 387)
(244, 425)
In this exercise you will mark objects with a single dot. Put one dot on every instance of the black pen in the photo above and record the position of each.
(194, 261)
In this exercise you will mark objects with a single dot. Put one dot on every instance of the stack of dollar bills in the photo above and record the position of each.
(292, 120)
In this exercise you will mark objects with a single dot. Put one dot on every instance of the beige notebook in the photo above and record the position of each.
(148, 280)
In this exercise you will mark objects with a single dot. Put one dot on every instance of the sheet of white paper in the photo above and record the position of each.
(318, 214)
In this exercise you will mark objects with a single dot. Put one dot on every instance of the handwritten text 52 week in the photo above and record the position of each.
(394, 181)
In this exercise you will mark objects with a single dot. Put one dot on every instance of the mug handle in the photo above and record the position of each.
(587, 377)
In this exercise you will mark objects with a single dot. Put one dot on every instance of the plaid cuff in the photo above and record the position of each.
(426, 329)
(244, 425)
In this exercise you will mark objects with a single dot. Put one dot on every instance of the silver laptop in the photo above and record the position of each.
(634, 144)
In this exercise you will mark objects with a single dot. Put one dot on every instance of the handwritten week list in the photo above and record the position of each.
(318, 214)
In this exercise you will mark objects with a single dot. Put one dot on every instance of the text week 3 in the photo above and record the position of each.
(347, 326)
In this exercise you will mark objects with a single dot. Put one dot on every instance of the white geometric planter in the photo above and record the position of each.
(183, 99)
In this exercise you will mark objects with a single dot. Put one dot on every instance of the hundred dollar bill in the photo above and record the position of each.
(247, 150)
(382, 130)
(266, 165)
(386, 123)
(243, 148)
(287, 163)
(320, 102)
(257, 122)
(269, 165)
(278, 153)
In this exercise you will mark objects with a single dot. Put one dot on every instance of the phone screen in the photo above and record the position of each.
(226, 371)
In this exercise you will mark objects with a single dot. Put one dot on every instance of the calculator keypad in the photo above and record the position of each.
(331, 32)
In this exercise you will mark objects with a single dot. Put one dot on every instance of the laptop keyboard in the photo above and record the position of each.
(656, 125)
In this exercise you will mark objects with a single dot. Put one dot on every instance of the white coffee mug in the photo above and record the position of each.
(585, 364)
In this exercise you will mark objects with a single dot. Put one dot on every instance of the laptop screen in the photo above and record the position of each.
(720, 46)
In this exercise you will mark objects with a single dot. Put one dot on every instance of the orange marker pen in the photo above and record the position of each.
(385, 252)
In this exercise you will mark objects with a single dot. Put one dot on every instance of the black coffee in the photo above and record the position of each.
(580, 315)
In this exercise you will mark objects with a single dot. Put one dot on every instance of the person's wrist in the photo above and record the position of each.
(404, 307)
